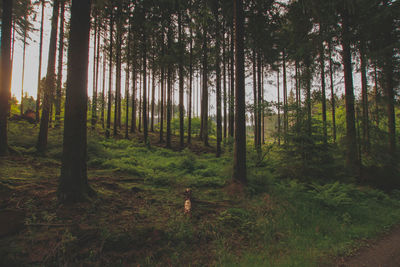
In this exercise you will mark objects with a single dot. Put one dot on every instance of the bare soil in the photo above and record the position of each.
(381, 252)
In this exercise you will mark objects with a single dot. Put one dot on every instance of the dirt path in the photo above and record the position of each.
(384, 252)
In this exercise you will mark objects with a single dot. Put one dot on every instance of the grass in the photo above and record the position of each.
(138, 217)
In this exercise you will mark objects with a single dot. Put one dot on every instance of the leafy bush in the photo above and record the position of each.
(236, 219)
(332, 195)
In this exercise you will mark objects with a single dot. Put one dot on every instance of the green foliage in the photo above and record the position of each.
(332, 195)
(278, 221)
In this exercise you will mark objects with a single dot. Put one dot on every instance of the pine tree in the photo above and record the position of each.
(73, 185)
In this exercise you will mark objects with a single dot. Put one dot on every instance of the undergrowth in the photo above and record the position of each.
(138, 216)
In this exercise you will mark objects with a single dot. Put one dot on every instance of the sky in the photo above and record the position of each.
(32, 61)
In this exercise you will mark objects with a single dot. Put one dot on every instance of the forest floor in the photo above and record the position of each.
(383, 251)
(137, 217)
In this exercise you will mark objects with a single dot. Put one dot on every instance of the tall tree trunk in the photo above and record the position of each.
(279, 108)
(109, 103)
(376, 93)
(5, 72)
(332, 92)
(12, 62)
(224, 83)
(204, 107)
(307, 80)
(117, 102)
(50, 82)
(38, 96)
(103, 90)
(323, 87)
(169, 85)
(254, 64)
(134, 84)
(262, 103)
(285, 102)
(127, 77)
(297, 85)
(181, 81)
(145, 127)
(351, 155)
(153, 96)
(232, 93)
(23, 69)
(190, 86)
(140, 102)
(134, 112)
(388, 74)
(239, 159)
(218, 78)
(364, 96)
(259, 104)
(73, 184)
(93, 119)
(60, 64)
(162, 81)
(96, 55)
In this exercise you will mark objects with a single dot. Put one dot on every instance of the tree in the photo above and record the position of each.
(351, 140)
(239, 160)
(118, 54)
(50, 82)
(110, 67)
(60, 63)
(73, 185)
(5, 73)
(218, 77)
(181, 77)
(38, 96)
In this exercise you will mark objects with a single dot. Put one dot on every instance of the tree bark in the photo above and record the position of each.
(134, 89)
(50, 82)
(323, 90)
(204, 107)
(145, 126)
(109, 103)
(5, 73)
(117, 102)
(60, 64)
(239, 160)
(162, 92)
(224, 83)
(279, 108)
(169, 85)
(73, 184)
(364, 97)
(181, 81)
(333, 105)
(103, 90)
(38, 96)
(255, 103)
(218, 78)
(259, 103)
(23, 69)
(285, 102)
(351, 153)
(232, 93)
(190, 86)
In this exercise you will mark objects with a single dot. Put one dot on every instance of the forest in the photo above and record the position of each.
(200, 133)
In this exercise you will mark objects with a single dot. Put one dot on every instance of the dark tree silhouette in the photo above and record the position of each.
(73, 184)
(5, 72)
(50, 82)
(239, 160)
